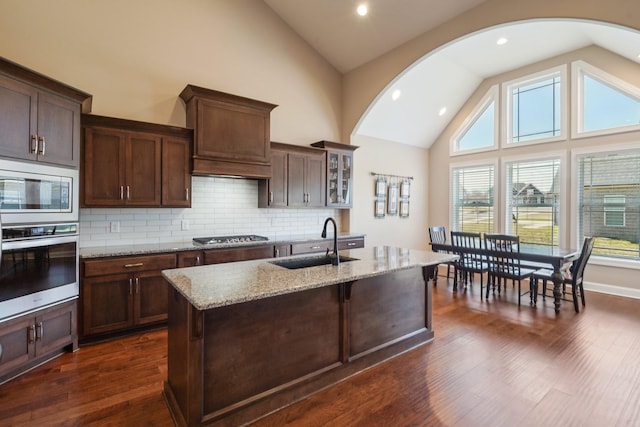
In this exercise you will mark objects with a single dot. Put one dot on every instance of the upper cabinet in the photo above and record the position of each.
(134, 164)
(39, 117)
(339, 173)
(298, 177)
(231, 133)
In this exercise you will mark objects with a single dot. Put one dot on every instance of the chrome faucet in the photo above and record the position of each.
(336, 258)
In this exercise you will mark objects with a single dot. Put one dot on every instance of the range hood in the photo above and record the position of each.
(231, 133)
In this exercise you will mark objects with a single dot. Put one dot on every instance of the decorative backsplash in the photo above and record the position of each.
(220, 206)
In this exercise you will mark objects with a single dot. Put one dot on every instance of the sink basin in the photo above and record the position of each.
(293, 264)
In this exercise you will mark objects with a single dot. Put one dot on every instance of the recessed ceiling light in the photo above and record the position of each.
(501, 41)
(362, 10)
(442, 111)
(396, 94)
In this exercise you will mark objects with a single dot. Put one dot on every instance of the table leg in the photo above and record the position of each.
(557, 288)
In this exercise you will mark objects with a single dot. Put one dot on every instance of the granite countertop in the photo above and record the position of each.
(142, 249)
(219, 285)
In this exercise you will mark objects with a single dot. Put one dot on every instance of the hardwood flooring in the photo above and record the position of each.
(491, 364)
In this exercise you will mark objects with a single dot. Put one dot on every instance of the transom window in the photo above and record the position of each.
(479, 132)
(534, 106)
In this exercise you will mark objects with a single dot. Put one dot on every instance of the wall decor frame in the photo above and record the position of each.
(392, 204)
(378, 209)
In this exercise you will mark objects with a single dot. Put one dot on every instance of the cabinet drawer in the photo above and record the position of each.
(311, 247)
(129, 264)
(219, 256)
(350, 244)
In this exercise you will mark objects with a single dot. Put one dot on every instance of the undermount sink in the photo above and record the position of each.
(293, 264)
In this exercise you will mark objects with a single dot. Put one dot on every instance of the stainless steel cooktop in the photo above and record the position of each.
(229, 239)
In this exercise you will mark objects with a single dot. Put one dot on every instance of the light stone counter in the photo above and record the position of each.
(151, 248)
(219, 285)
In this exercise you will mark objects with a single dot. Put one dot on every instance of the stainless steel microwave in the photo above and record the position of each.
(34, 193)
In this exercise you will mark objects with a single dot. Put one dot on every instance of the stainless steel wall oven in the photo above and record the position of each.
(39, 245)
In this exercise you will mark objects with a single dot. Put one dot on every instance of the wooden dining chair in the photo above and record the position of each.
(504, 262)
(438, 234)
(468, 263)
(572, 277)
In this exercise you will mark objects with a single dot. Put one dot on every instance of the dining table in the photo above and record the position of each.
(530, 255)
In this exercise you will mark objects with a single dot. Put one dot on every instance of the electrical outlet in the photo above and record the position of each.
(185, 224)
(115, 226)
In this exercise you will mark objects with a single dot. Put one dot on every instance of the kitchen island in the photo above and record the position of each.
(248, 338)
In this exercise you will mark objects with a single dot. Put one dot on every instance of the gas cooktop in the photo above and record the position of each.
(229, 239)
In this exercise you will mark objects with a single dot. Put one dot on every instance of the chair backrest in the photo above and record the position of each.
(577, 269)
(461, 240)
(507, 244)
(437, 234)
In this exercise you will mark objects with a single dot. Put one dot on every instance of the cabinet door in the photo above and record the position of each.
(316, 180)
(58, 130)
(17, 343)
(190, 258)
(278, 182)
(176, 172)
(107, 302)
(295, 181)
(56, 328)
(151, 302)
(346, 187)
(17, 119)
(104, 167)
(142, 176)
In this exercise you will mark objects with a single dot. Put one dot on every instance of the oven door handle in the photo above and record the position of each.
(38, 242)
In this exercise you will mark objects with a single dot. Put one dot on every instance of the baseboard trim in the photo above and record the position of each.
(612, 290)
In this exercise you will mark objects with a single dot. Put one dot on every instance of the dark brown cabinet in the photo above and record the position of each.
(39, 117)
(231, 133)
(298, 178)
(122, 293)
(31, 339)
(339, 173)
(190, 258)
(220, 256)
(135, 164)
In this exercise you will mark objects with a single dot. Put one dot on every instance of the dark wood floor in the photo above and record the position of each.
(491, 364)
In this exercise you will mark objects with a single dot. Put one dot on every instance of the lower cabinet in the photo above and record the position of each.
(28, 340)
(122, 293)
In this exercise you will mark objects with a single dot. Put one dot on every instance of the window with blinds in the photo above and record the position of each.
(533, 201)
(473, 199)
(609, 202)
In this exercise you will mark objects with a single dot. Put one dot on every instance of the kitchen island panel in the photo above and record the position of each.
(382, 311)
(255, 348)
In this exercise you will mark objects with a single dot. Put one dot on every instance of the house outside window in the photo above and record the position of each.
(608, 202)
(533, 201)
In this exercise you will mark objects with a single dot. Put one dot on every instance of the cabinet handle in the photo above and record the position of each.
(315, 247)
(197, 260)
(187, 191)
(121, 192)
(351, 244)
(43, 146)
(33, 146)
(136, 264)
(32, 334)
(137, 285)
(270, 197)
(0, 352)
(130, 286)
(128, 193)
(39, 331)
(277, 253)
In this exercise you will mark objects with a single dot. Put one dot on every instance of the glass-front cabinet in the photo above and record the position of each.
(339, 173)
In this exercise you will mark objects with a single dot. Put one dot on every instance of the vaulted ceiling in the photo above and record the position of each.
(445, 78)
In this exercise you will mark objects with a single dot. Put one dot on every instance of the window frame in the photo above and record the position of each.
(506, 110)
(578, 70)
(560, 155)
(576, 238)
(492, 95)
(496, 189)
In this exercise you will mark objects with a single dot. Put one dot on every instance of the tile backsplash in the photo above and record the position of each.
(220, 206)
